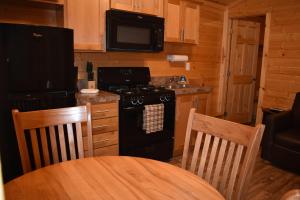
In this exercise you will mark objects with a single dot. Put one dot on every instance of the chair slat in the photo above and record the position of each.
(45, 146)
(196, 151)
(71, 141)
(53, 144)
(89, 130)
(227, 167)
(212, 158)
(79, 140)
(234, 170)
(219, 164)
(35, 148)
(62, 142)
(204, 155)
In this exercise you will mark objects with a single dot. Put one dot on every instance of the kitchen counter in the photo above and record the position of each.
(192, 89)
(101, 97)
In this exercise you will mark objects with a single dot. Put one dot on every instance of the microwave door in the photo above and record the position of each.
(130, 36)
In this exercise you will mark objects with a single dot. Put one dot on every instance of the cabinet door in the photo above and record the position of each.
(190, 22)
(123, 4)
(200, 103)
(88, 21)
(173, 31)
(151, 7)
(183, 105)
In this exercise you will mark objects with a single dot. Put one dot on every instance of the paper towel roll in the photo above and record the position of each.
(177, 58)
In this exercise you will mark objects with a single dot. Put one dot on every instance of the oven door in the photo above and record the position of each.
(133, 34)
(134, 141)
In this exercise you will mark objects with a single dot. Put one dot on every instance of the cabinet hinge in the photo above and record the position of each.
(225, 114)
(228, 73)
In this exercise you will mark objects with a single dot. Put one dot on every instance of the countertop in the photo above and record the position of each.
(192, 89)
(101, 97)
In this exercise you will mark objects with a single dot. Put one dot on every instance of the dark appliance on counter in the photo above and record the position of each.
(126, 31)
(37, 72)
(132, 84)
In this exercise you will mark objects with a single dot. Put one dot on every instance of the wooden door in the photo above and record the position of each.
(128, 5)
(190, 22)
(242, 71)
(88, 21)
(151, 7)
(173, 30)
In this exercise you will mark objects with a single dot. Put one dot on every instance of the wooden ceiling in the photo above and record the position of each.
(223, 2)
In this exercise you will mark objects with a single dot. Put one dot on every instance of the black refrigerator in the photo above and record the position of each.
(36, 72)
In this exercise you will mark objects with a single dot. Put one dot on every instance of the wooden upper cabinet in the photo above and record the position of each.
(151, 7)
(190, 22)
(182, 21)
(173, 30)
(128, 5)
(87, 19)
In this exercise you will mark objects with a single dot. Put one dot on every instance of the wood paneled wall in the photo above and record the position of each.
(204, 57)
(282, 78)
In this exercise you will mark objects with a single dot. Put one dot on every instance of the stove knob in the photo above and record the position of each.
(140, 100)
(167, 98)
(133, 101)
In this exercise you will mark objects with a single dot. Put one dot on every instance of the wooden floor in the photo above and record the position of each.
(268, 182)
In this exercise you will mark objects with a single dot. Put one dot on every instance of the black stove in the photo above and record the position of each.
(132, 84)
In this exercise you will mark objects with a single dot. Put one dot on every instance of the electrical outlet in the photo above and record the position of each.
(187, 66)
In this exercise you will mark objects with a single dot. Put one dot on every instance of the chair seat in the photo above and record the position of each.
(289, 138)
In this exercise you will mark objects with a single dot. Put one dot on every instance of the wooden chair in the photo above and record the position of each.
(51, 136)
(228, 152)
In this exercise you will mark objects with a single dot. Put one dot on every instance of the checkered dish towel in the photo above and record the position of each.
(153, 118)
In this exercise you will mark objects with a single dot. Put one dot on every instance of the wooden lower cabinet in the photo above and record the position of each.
(184, 103)
(105, 123)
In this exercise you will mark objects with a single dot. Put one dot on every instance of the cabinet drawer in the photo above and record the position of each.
(104, 110)
(105, 125)
(102, 140)
(112, 150)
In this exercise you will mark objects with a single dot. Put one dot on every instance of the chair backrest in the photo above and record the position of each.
(296, 110)
(228, 152)
(54, 135)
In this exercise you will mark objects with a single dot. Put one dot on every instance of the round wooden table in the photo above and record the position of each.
(110, 177)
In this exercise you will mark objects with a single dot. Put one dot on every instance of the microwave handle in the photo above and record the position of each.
(159, 38)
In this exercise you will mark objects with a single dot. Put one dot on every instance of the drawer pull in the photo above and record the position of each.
(100, 126)
(101, 111)
(101, 141)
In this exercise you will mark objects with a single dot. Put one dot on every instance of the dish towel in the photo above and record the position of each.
(153, 117)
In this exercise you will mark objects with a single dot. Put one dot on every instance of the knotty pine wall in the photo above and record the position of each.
(204, 57)
(282, 78)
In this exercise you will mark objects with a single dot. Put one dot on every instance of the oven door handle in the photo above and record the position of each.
(129, 108)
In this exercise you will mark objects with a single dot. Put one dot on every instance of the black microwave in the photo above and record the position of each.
(126, 31)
